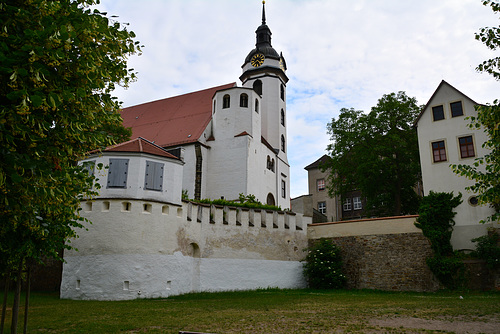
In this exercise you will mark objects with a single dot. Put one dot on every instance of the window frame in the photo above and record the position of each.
(346, 204)
(320, 184)
(467, 146)
(283, 144)
(434, 115)
(322, 207)
(283, 188)
(244, 100)
(440, 149)
(226, 101)
(461, 108)
(357, 203)
(282, 117)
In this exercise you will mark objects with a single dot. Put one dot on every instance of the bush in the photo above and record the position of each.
(436, 222)
(487, 248)
(323, 266)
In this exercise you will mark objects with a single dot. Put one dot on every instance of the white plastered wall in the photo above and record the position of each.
(439, 177)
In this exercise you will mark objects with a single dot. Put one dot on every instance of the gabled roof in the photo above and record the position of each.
(434, 94)
(318, 163)
(140, 145)
(172, 121)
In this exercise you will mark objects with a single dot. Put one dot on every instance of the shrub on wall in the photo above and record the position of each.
(487, 248)
(323, 266)
(436, 222)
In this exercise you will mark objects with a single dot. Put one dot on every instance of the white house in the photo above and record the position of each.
(146, 242)
(445, 139)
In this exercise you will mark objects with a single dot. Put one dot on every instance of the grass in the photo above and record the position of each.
(262, 311)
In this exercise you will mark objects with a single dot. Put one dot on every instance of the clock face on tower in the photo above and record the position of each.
(257, 59)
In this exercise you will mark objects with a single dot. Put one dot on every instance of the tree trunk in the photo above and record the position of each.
(4, 305)
(26, 303)
(17, 296)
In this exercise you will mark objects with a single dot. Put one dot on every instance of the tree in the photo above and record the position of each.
(377, 153)
(59, 63)
(485, 171)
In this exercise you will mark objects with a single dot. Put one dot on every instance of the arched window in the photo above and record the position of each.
(226, 101)
(282, 117)
(244, 100)
(283, 143)
(256, 105)
(257, 87)
(270, 199)
(282, 92)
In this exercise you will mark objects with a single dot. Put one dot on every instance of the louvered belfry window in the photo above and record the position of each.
(154, 176)
(117, 173)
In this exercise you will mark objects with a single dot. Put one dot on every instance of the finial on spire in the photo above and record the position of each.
(263, 12)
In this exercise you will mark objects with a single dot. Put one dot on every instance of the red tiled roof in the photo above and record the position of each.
(172, 121)
(140, 145)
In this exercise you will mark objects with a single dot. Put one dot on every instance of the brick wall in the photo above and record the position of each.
(387, 262)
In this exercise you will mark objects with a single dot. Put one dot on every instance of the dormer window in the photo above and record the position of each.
(456, 109)
(226, 101)
(244, 100)
(438, 113)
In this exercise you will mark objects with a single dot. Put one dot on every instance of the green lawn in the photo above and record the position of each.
(271, 311)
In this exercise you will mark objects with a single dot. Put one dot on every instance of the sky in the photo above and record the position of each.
(339, 54)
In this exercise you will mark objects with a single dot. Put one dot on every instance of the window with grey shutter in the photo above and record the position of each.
(117, 173)
(154, 176)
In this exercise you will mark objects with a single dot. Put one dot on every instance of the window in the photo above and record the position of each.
(321, 184)
(226, 101)
(89, 166)
(283, 144)
(154, 176)
(117, 173)
(282, 117)
(257, 87)
(282, 92)
(270, 163)
(256, 105)
(439, 151)
(438, 113)
(283, 188)
(456, 109)
(357, 203)
(347, 204)
(466, 147)
(322, 207)
(244, 100)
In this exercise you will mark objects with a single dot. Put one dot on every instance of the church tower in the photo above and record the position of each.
(264, 72)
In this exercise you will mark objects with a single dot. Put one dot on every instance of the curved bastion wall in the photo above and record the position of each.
(149, 249)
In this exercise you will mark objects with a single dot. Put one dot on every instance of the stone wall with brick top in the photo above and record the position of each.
(386, 254)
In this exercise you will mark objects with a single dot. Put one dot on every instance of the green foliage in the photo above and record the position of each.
(491, 37)
(486, 170)
(248, 201)
(59, 63)
(377, 153)
(323, 266)
(436, 222)
(488, 248)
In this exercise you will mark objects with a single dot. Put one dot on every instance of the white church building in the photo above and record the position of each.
(145, 241)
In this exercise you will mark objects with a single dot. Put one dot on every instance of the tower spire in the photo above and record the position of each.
(263, 12)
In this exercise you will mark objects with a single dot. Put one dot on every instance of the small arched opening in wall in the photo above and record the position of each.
(194, 250)
(270, 199)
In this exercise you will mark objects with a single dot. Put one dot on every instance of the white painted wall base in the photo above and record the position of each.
(122, 277)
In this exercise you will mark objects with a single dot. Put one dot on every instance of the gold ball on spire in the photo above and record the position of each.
(263, 2)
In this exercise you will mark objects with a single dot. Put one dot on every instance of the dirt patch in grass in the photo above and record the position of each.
(489, 326)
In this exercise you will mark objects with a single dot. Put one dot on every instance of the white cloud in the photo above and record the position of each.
(339, 54)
